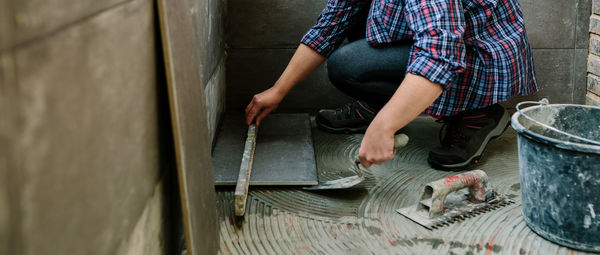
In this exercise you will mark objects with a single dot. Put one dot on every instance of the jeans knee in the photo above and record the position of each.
(338, 67)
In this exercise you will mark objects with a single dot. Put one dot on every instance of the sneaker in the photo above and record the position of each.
(353, 117)
(467, 135)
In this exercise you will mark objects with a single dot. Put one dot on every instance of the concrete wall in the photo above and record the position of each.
(262, 36)
(593, 82)
(86, 152)
(210, 20)
(558, 33)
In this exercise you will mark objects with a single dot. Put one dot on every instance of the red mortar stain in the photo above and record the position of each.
(299, 250)
(391, 243)
(490, 247)
(336, 164)
(451, 179)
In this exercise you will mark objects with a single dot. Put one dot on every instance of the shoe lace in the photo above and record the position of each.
(346, 110)
(451, 136)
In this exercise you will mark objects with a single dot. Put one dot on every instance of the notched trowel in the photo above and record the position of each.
(455, 198)
(400, 140)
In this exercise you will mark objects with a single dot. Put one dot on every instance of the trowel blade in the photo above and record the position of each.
(457, 211)
(400, 140)
(343, 183)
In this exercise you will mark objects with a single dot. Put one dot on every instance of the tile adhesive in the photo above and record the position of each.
(364, 220)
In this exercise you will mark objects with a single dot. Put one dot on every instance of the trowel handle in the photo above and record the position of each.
(400, 140)
(434, 194)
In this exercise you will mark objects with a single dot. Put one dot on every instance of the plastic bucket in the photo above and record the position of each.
(559, 164)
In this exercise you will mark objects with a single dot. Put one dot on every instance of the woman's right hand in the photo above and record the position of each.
(262, 104)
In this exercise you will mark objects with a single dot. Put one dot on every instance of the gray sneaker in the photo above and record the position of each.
(353, 117)
(467, 135)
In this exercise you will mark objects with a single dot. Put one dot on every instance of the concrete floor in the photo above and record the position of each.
(364, 220)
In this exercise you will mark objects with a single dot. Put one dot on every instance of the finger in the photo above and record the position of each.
(381, 158)
(263, 114)
(250, 105)
(251, 114)
(378, 162)
(387, 157)
(375, 161)
(364, 162)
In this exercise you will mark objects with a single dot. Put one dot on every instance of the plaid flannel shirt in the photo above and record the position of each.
(477, 50)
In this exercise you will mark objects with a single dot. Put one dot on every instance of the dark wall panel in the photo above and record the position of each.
(555, 74)
(555, 28)
(550, 23)
(270, 23)
(584, 10)
(252, 71)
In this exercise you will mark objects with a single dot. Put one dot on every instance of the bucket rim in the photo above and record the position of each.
(582, 147)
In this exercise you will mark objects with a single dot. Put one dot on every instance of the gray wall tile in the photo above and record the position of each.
(554, 68)
(209, 31)
(555, 74)
(90, 153)
(252, 71)
(555, 77)
(215, 100)
(269, 23)
(550, 23)
(584, 9)
(279, 24)
(34, 18)
(580, 75)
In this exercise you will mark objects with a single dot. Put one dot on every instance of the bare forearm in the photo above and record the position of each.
(413, 96)
(302, 64)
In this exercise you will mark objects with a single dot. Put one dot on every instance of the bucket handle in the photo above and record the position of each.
(545, 101)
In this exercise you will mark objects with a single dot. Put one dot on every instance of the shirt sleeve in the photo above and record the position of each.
(439, 49)
(329, 31)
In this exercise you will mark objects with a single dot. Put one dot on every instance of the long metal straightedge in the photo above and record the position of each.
(241, 189)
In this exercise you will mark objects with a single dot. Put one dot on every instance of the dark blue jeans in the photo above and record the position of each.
(369, 74)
